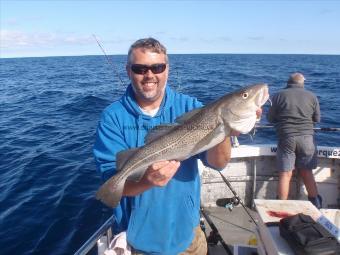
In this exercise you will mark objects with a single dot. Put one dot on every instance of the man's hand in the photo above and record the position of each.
(258, 114)
(160, 173)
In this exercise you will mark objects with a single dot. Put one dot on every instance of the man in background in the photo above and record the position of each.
(294, 111)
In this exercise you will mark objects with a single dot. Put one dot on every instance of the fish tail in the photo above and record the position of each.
(110, 193)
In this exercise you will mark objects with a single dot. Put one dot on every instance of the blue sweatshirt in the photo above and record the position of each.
(161, 220)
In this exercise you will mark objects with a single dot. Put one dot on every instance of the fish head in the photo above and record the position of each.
(239, 108)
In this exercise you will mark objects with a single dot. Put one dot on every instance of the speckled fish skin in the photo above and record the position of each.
(196, 131)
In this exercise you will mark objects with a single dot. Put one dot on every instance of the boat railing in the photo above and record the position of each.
(104, 230)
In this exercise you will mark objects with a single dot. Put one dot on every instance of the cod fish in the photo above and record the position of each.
(193, 132)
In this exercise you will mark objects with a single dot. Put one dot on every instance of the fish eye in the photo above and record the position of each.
(245, 95)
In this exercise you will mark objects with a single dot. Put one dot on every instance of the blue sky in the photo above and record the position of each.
(63, 28)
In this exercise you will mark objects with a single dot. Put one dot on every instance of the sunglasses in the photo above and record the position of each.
(143, 69)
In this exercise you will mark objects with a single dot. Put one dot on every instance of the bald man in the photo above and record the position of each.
(294, 112)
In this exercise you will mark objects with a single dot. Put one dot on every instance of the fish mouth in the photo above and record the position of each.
(262, 96)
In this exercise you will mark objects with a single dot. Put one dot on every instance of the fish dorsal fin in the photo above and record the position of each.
(181, 119)
(123, 156)
(159, 131)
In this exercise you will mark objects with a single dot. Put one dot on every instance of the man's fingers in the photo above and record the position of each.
(169, 169)
(234, 133)
(162, 175)
(159, 164)
(258, 114)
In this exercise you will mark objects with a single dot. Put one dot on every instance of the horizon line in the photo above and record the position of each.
(93, 55)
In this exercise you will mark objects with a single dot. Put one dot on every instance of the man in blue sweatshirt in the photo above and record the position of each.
(160, 213)
(294, 111)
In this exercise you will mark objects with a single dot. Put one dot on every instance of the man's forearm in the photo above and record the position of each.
(132, 188)
(219, 155)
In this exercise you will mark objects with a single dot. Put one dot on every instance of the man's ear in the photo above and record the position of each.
(128, 70)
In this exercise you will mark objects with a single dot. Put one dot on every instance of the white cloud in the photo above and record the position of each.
(14, 39)
(11, 22)
(256, 38)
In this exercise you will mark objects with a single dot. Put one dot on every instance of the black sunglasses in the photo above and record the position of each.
(143, 69)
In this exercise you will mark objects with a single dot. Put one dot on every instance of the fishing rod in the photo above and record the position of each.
(214, 236)
(237, 199)
(109, 61)
(327, 129)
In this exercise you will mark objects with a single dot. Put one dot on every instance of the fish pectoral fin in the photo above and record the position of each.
(159, 131)
(213, 138)
(183, 118)
(123, 156)
(136, 176)
(110, 193)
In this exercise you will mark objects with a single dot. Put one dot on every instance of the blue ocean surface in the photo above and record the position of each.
(49, 109)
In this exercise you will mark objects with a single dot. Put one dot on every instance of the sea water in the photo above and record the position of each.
(49, 109)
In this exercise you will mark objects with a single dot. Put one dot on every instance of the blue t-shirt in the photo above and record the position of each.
(161, 220)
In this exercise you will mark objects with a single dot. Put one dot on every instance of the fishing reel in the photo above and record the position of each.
(229, 202)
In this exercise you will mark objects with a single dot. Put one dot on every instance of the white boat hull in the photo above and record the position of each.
(253, 175)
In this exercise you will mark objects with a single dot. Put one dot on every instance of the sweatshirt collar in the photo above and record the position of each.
(295, 85)
(129, 101)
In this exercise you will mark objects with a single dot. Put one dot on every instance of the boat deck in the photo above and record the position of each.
(235, 227)
(252, 175)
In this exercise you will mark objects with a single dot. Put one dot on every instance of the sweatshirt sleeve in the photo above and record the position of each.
(109, 140)
(272, 111)
(317, 113)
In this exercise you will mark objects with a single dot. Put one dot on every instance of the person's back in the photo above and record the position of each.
(294, 111)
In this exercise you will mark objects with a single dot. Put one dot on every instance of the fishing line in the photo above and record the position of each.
(109, 61)
(317, 129)
(326, 129)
